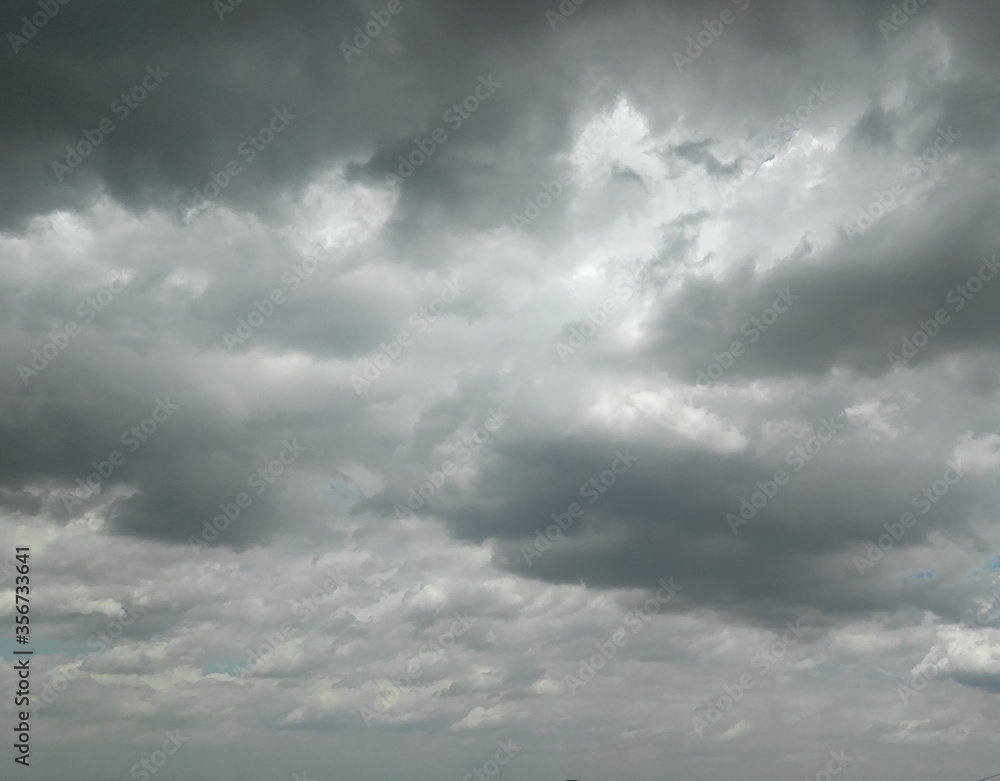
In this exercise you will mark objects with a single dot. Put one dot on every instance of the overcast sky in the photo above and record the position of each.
(427, 388)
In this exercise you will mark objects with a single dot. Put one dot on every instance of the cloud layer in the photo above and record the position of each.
(369, 368)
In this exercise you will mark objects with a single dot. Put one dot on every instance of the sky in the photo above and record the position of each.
(429, 389)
